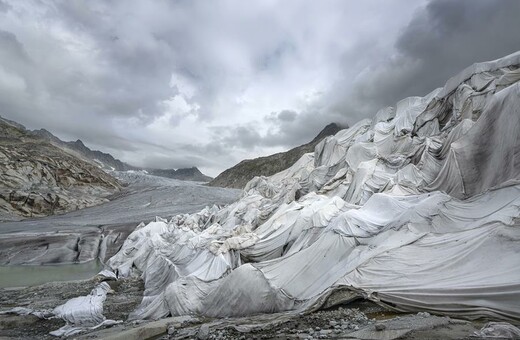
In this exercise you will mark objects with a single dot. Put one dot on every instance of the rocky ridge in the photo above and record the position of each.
(104, 160)
(183, 174)
(107, 162)
(238, 175)
(38, 179)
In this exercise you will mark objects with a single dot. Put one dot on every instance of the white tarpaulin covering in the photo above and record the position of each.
(418, 208)
(79, 313)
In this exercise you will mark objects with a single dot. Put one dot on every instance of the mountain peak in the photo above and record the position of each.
(238, 175)
(328, 130)
(189, 174)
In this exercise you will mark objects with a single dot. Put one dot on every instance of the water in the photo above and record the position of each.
(22, 276)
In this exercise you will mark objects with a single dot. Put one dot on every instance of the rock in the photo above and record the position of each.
(499, 330)
(380, 327)
(38, 178)
(203, 332)
(185, 174)
(238, 176)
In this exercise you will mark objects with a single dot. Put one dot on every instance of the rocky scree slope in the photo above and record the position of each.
(39, 179)
(238, 175)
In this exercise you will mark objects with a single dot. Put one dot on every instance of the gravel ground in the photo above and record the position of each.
(361, 319)
(127, 295)
(347, 322)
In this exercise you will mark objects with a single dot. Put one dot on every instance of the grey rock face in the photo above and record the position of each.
(39, 179)
(238, 176)
(203, 332)
(101, 159)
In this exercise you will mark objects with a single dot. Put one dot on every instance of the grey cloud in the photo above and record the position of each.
(210, 158)
(173, 161)
(246, 137)
(442, 39)
(101, 71)
(287, 115)
(275, 118)
(287, 129)
(11, 48)
(4, 7)
(121, 77)
(450, 35)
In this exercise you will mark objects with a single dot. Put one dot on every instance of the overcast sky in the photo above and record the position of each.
(173, 84)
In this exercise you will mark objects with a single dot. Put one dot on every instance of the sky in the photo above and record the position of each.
(173, 84)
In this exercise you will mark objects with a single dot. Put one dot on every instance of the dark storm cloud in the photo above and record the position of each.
(441, 40)
(451, 35)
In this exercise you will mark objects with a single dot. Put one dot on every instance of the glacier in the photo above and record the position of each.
(417, 209)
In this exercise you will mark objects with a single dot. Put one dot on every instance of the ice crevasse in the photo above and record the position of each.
(417, 208)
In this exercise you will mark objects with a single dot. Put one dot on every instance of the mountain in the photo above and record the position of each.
(107, 162)
(38, 178)
(185, 174)
(104, 160)
(238, 175)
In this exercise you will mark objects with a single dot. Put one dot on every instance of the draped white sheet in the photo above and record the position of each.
(418, 209)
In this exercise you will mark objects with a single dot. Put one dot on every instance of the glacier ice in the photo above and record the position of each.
(417, 208)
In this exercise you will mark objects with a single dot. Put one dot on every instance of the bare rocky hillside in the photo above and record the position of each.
(38, 178)
(238, 176)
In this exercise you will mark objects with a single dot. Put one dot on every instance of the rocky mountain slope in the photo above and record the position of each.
(38, 178)
(107, 162)
(410, 209)
(104, 160)
(183, 174)
(238, 175)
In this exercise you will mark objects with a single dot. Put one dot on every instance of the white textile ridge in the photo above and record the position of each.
(417, 208)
